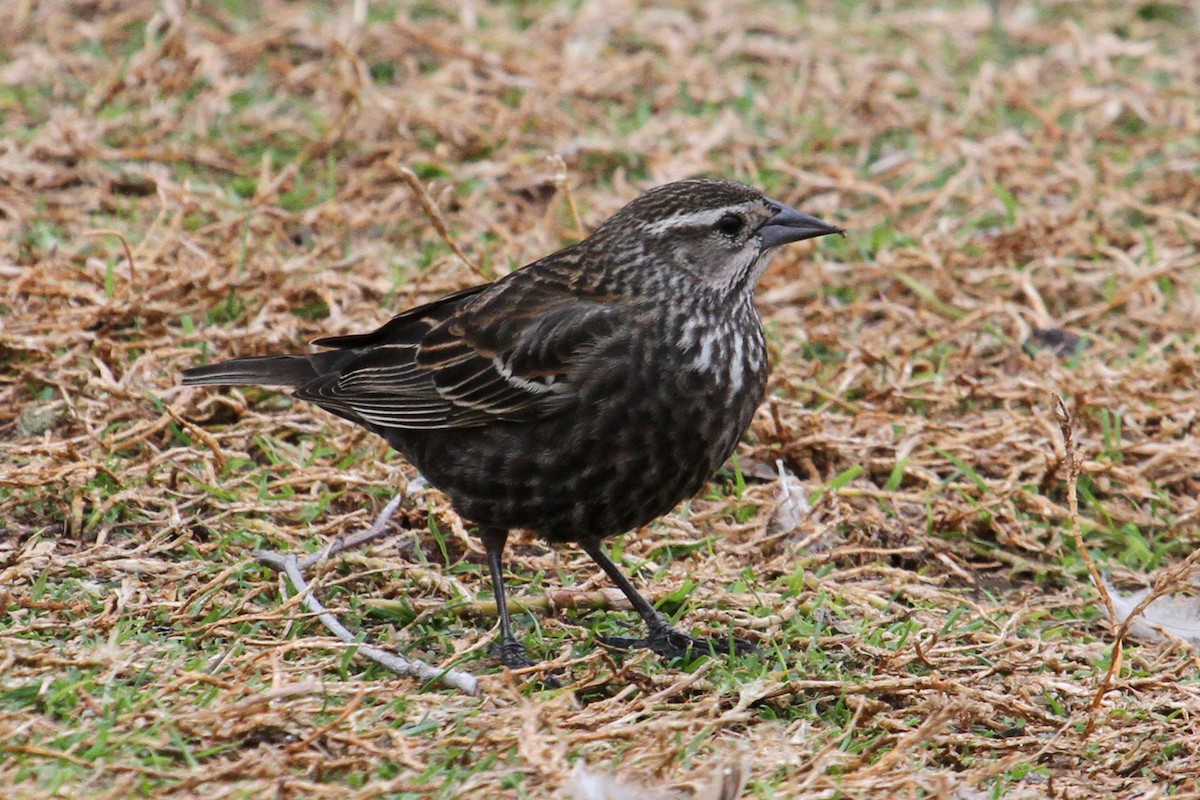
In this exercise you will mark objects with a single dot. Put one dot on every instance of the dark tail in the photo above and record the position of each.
(259, 371)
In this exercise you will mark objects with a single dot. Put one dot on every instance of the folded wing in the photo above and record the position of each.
(502, 352)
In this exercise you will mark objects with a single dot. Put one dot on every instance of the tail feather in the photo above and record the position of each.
(257, 371)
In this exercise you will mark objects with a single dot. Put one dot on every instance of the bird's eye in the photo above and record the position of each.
(730, 224)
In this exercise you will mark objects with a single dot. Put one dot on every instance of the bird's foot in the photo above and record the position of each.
(512, 655)
(673, 644)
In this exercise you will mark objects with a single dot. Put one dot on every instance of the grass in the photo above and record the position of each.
(927, 628)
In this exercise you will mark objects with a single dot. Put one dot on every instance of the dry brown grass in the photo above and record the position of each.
(929, 628)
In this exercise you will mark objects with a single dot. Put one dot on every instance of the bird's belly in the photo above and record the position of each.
(629, 452)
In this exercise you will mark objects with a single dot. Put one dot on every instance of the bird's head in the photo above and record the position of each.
(717, 233)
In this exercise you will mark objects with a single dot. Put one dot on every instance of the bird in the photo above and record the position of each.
(580, 396)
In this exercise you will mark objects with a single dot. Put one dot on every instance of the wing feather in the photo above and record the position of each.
(500, 352)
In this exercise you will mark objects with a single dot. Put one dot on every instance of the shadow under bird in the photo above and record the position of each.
(580, 396)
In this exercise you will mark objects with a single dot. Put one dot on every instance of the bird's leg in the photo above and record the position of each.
(662, 637)
(512, 652)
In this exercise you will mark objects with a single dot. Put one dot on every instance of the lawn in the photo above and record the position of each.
(997, 364)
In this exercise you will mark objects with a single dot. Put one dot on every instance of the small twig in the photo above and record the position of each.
(204, 436)
(921, 657)
(377, 529)
(1073, 469)
(1163, 586)
(435, 216)
(560, 179)
(288, 564)
(128, 255)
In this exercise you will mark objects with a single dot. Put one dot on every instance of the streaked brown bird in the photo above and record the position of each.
(580, 396)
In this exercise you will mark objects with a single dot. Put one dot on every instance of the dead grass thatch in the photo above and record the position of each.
(1023, 199)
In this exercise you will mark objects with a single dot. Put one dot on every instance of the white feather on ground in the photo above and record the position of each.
(1177, 614)
(791, 503)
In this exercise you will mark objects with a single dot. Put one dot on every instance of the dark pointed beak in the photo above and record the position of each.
(790, 225)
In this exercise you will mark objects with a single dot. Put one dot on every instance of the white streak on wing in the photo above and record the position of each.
(380, 378)
(475, 381)
(536, 387)
(413, 417)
